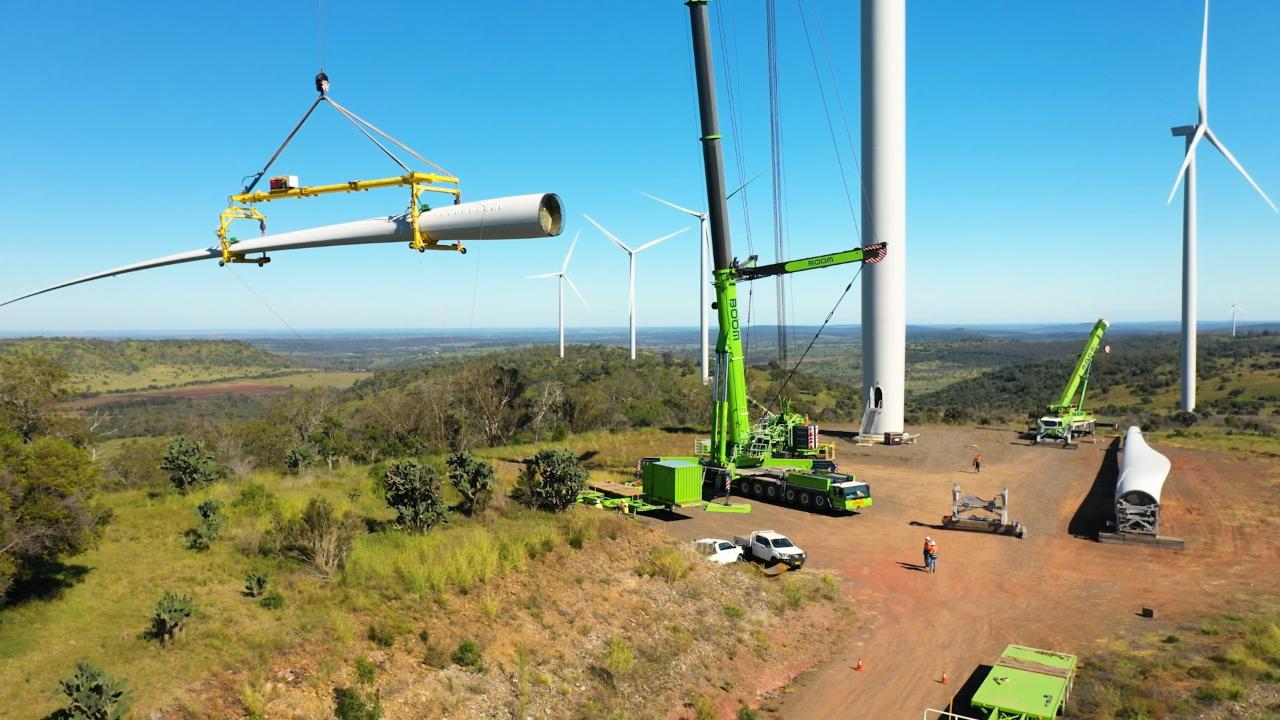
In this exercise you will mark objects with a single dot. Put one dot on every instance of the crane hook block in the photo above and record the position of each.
(322, 83)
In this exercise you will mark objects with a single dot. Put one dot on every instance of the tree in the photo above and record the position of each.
(414, 492)
(188, 464)
(45, 488)
(93, 695)
(474, 481)
(30, 386)
(551, 480)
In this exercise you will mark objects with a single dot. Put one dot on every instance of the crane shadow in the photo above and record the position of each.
(1096, 509)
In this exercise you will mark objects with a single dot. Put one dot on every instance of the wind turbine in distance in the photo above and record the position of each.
(631, 257)
(1194, 134)
(1235, 310)
(563, 276)
(703, 243)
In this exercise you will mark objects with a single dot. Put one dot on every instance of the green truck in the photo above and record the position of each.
(822, 491)
(1026, 684)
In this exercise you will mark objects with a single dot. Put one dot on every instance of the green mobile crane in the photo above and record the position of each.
(1067, 418)
(760, 460)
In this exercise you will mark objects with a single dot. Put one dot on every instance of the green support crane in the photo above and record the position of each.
(741, 455)
(1067, 418)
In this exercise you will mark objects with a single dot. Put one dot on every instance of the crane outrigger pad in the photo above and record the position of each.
(727, 508)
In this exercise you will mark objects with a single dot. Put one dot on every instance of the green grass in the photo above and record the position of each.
(1216, 661)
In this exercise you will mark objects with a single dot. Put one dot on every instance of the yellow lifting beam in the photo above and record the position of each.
(418, 183)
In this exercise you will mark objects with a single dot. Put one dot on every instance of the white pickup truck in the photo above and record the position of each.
(770, 547)
(720, 552)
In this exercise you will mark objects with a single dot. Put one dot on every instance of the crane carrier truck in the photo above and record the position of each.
(1067, 418)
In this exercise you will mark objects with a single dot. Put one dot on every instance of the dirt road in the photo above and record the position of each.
(1051, 589)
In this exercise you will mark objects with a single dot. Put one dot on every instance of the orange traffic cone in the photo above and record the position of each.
(858, 667)
(944, 678)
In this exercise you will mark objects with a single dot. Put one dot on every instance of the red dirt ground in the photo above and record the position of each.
(1051, 589)
(193, 392)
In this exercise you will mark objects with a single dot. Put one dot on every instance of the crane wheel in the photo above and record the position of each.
(756, 490)
(771, 492)
(820, 502)
(791, 496)
(804, 499)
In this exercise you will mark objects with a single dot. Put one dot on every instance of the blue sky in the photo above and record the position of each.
(1039, 156)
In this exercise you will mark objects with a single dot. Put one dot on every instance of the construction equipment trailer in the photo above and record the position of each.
(970, 512)
(761, 460)
(1067, 418)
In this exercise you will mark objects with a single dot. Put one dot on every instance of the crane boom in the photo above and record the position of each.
(1080, 375)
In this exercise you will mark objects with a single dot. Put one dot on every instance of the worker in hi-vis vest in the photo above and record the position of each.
(930, 555)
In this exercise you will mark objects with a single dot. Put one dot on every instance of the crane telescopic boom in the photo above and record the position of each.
(1067, 417)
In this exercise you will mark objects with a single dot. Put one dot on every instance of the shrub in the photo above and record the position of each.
(733, 612)
(272, 601)
(383, 633)
(745, 712)
(551, 480)
(667, 563)
(414, 492)
(351, 704)
(319, 536)
(188, 465)
(93, 695)
(473, 479)
(255, 499)
(210, 523)
(366, 671)
(297, 458)
(255, 584)
(620, 658)
(170, 616)
(468, 656)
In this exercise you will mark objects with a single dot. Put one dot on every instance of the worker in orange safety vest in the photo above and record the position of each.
(930, 555)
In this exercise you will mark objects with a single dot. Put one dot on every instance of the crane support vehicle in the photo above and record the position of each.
(762, 459)
(1067, 418)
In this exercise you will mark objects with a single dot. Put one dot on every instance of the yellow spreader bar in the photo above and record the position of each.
(417, 182)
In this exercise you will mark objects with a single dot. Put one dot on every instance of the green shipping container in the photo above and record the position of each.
(673, 482)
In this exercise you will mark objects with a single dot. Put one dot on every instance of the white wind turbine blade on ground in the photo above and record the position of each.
(1213, 139)
(608, 234)
(651, 243)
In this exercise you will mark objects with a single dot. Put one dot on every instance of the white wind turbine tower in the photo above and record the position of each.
(1194, 134)
(1235, 310)
(563, 277)
(703, 281)
(631, 257)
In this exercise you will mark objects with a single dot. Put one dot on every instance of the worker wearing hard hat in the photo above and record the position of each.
(930, 555)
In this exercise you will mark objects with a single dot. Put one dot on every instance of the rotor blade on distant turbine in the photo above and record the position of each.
(575, 291)
(1204, 68)
(743, 186)
(651, 243)
(543, 275)
(1186, 160)
(694, 213)
(607, 234)
(1232, 159)
(569, 254)
(508, 218)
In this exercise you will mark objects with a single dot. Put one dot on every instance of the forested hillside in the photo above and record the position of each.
(116, 365)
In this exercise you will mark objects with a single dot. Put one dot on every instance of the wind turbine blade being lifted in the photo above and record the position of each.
(1213, 139)
(1186, 160)
(607, 234)
(509, 218)
(651, 243)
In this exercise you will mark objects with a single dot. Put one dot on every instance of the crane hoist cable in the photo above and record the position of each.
(241, 205)
(778, 398)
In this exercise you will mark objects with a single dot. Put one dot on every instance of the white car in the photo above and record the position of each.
(718, 551)
(770, 547)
